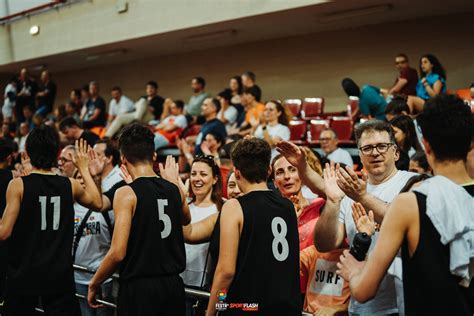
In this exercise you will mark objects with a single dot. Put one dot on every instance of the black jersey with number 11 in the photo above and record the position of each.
(39, 249)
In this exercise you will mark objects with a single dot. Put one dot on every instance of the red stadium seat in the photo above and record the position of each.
(353, 108)
(294, 106)
(312, 108)
(343, 127)
(297, 131)
(315, 128)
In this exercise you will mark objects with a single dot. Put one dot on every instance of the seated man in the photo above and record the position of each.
(141, 114)
(328, 139)
(167, 131)
(119, 104)
(94, 113)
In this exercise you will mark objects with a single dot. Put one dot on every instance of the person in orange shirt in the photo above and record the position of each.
(253, 109)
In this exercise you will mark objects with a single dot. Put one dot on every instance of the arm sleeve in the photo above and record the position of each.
(112, 110)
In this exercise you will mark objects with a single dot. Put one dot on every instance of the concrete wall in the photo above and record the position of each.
(310, 65)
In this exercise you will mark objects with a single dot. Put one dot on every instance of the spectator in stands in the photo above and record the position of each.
(46, 94)
(210, 108)
(406, 82)
(405, 134)
(233, 190)
(29, 114)
(26, 91)
(95, 114)
(119, 104)
(193, 107)
(228, 113)
(236, 88)
(206, 188)
(419, 163)
(371, 103)
(74, 106)
(253, 110)
(171, 126)
(141, 114)
(430, 225)
(23, 132)
(397, 106)
(328, 139)
(248, 81)
(58, 114)
(9, 99)
(380, 184)
(71, 130)
(212, 144)
(431, 84)
(155, 101)
(273, 125)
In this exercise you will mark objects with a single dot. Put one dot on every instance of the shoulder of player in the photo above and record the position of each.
(125, 192)
(16, 184)
(405, 207)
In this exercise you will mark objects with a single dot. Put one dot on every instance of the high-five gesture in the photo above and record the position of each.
(365, 224)
(353, 186)
(81, 158)
(333, 191)
(292, 153)
(96, 164)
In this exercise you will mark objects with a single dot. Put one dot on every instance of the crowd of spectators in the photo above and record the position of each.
(205, 129)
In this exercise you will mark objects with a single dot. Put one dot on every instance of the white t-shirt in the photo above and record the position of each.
(341, 156)
(96, 238)
(196, 254)
(230, 115)
(308, 194)
(385, 301)
(279, 130)
(125, 105)
(8, 104)
(178, 120)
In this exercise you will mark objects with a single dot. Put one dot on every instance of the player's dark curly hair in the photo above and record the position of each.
(252, 158)
(136, 143)
(42, 146)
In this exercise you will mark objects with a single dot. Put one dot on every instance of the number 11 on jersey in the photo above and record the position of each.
(56, 201)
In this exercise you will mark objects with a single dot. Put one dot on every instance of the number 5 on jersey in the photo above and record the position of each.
(163, 217)
(56, 201)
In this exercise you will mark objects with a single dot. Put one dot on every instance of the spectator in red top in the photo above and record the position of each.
(406, 82)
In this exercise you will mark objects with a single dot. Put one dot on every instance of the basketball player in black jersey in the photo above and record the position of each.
(258, 264)
(431, 287)
(39, 224)
(148, 238)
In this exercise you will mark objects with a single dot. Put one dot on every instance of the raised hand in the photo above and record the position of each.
(96, 164)
(292, 153)
(170, 171)
(81, 158)
(331, 187)
(353, 186)
(205, 149)
(364, 224)
(125, 174)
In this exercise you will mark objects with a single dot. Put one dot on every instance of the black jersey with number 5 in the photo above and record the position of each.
(267, 270)
(155, 245)
(39, 249)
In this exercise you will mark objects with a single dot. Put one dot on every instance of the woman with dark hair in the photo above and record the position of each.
(371, 102)
(431, 83)
(206, 189)
(405, 134)
(236, 87)
(419, 163)
(273, 126)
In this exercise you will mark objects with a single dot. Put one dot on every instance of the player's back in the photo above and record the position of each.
(40, 246)
(5, 177)
(155, 245)
(267, 270)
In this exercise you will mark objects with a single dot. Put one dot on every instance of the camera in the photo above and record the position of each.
(360, 246)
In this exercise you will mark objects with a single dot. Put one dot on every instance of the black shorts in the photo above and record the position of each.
(53, 305)
(151, 296)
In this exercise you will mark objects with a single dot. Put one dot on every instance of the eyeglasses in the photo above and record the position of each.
(63, 160)
(381, 148)
(400, 62)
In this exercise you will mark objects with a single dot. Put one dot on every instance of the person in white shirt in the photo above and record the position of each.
(228, 113)
(23, 135)
(206, 186)
(119, 104)
(273, 126)
(170, 127)
(9, 101)
(96, 237)
(328, 139)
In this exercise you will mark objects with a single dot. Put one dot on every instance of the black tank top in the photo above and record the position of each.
(267, 270)
(5, 177)
(155, 245)
(428, 285)
(39, 249)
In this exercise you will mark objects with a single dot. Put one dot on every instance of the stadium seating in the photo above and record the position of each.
(312, 108)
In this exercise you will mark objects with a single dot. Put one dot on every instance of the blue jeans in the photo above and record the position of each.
(86, 310)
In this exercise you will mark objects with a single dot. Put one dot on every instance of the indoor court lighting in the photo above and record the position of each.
(341, 15)
(34, 30)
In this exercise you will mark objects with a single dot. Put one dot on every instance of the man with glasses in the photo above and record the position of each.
(406, 82)
(380, 184)
(328, 139)
(65, 163)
